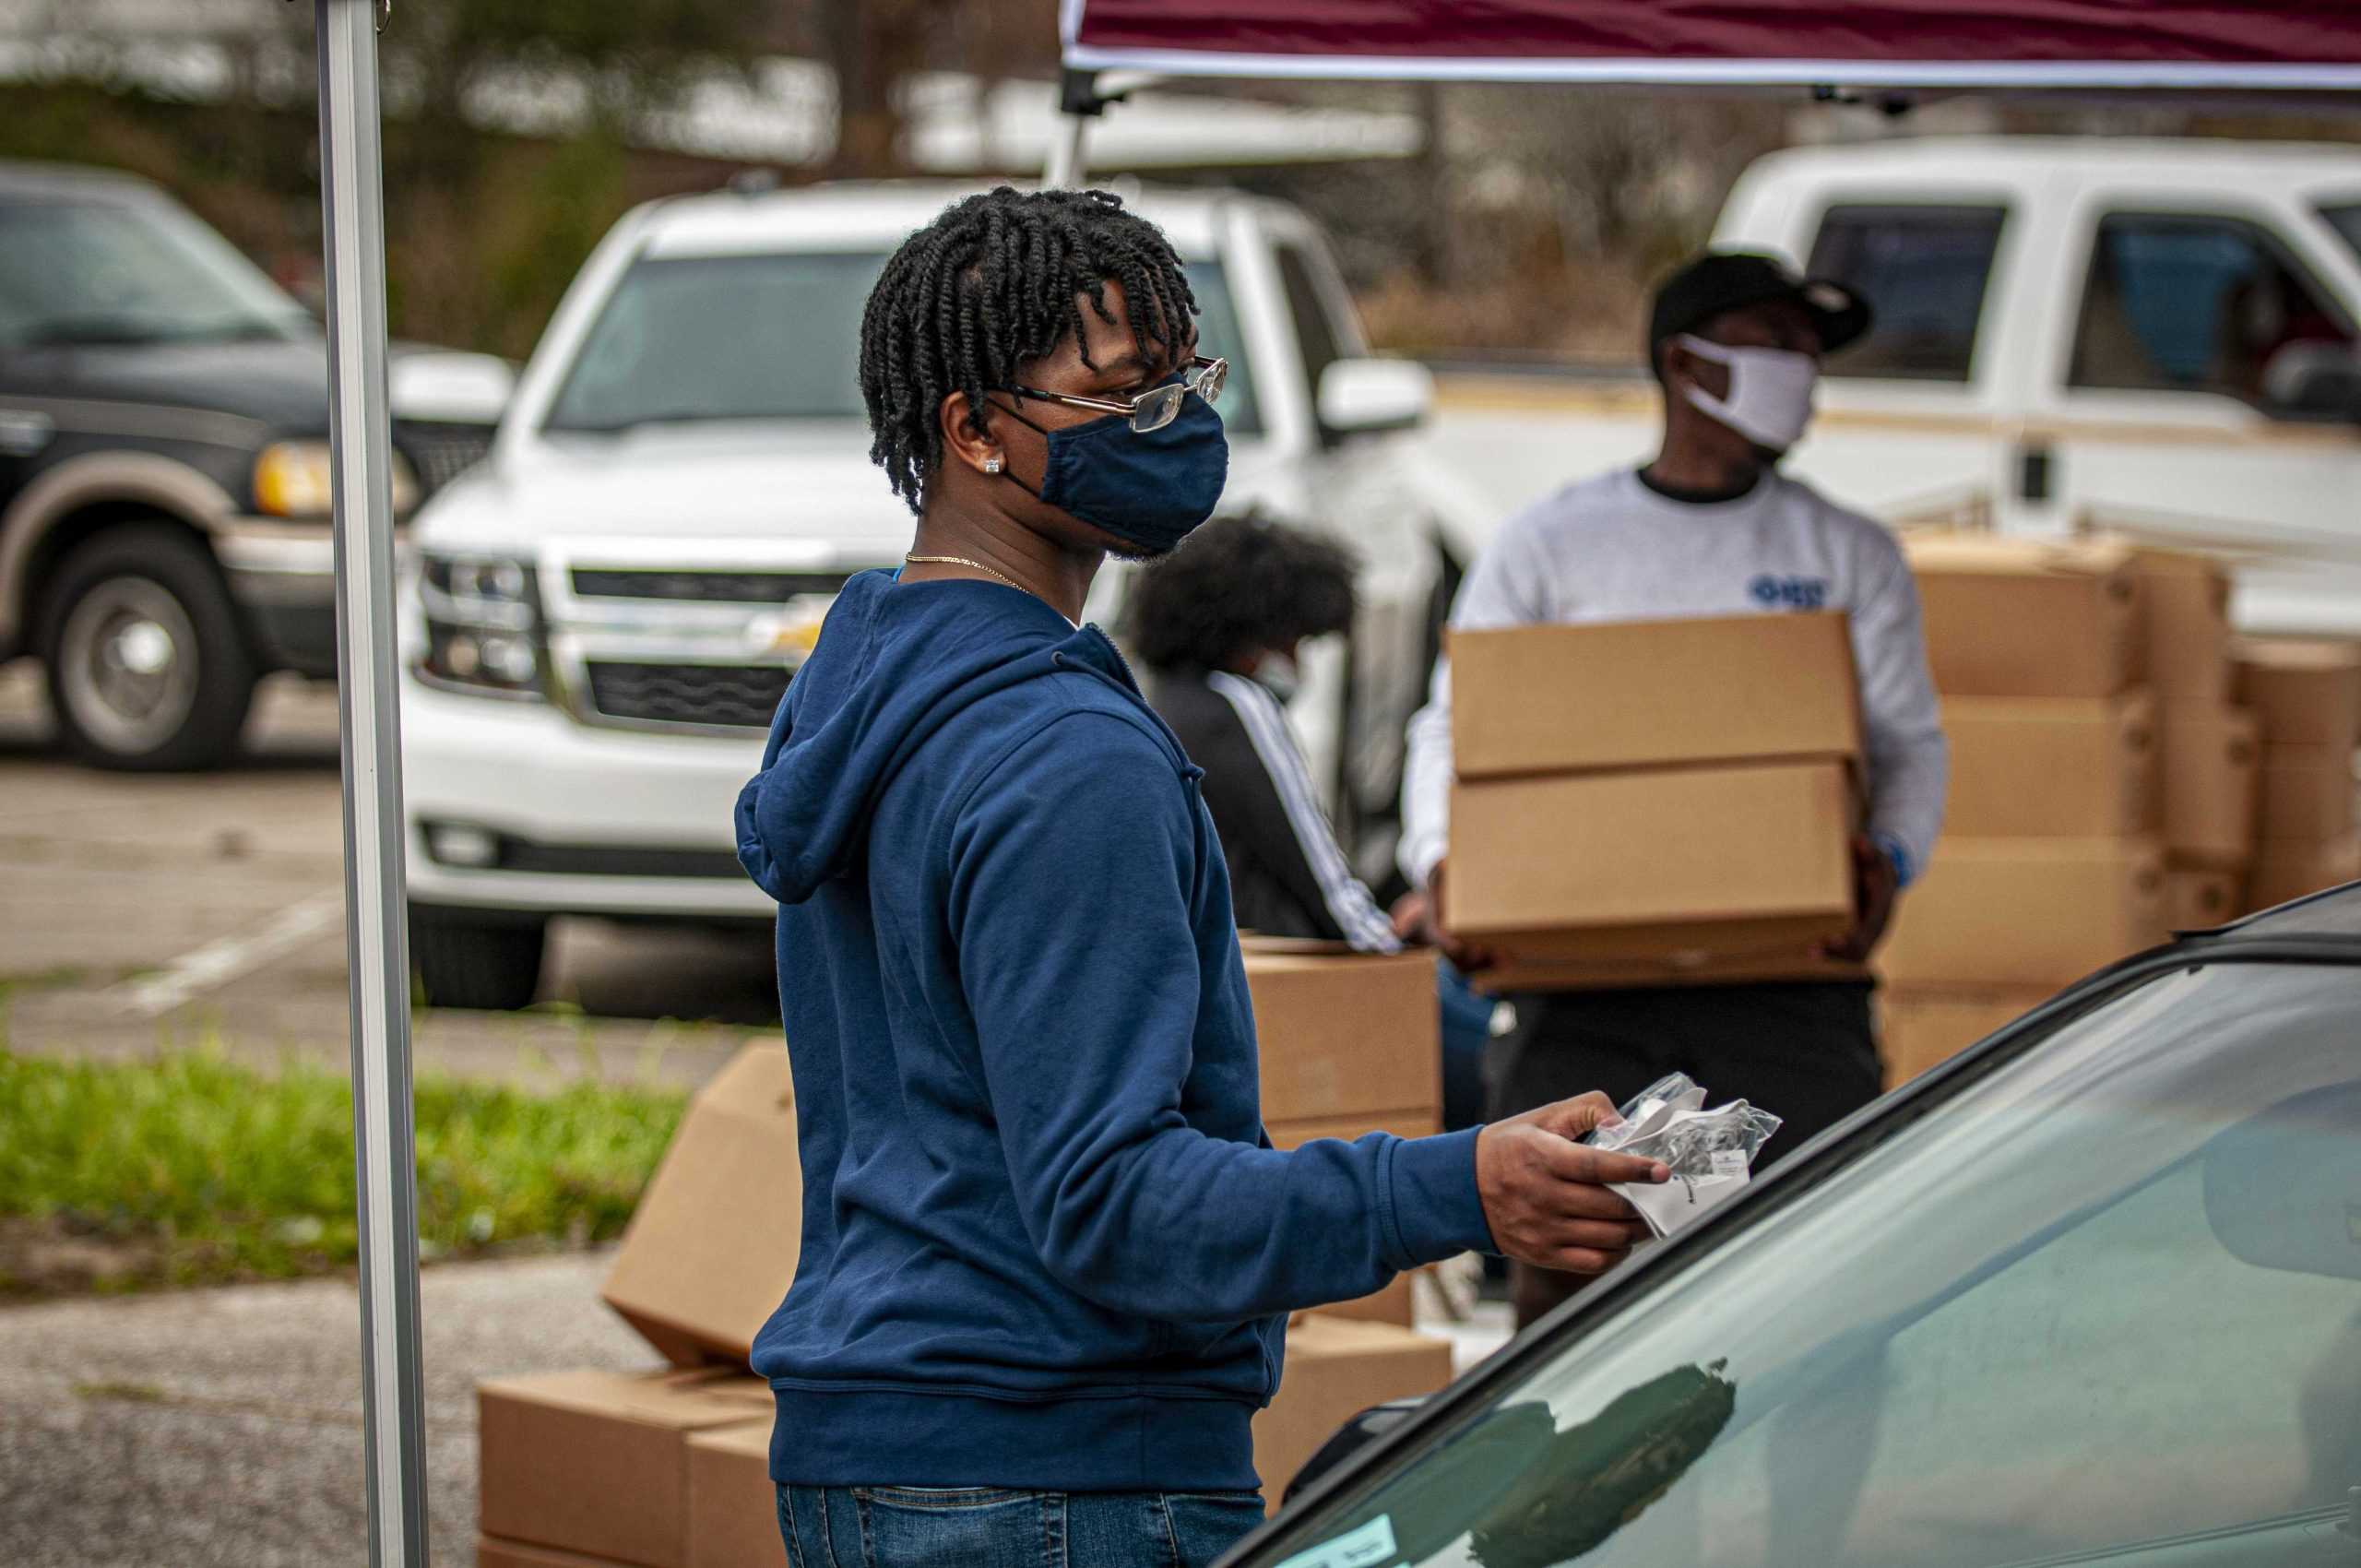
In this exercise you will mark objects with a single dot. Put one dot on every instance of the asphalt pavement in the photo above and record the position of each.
(147, 909)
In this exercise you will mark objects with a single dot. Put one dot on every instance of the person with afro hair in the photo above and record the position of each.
(1047, 1253)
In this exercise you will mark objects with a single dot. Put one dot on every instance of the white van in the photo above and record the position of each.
(605, 614)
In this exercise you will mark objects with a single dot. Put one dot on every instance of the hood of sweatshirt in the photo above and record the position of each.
(895, 662)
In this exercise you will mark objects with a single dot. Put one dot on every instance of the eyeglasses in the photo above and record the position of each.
(1157, 407)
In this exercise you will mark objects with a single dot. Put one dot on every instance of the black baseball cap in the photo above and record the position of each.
(1723, 280)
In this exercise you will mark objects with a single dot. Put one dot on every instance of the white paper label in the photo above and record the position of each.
(1729, 1163)
(1367, 1547)
(1678, 1202)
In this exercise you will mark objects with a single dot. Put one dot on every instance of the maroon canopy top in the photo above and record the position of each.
(2290, 44)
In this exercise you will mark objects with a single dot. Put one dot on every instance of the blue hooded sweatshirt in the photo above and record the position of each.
(1046, 1244)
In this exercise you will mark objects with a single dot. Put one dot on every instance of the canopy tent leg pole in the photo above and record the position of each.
(352, 203)
(1066, 148)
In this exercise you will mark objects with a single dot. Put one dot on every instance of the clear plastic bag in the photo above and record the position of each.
(1710, 1153)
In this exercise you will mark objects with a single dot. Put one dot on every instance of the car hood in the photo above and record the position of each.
(281, 383)
(807, 497)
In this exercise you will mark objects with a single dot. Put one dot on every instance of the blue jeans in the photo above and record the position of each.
(903, 1526)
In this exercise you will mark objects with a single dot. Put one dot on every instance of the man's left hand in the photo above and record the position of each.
(1874, 886)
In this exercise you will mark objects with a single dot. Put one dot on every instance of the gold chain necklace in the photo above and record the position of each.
(963, 561)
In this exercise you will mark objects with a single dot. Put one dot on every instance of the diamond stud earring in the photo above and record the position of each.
(992, 465)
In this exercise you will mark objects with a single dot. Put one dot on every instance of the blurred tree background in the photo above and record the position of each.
(1532, 222)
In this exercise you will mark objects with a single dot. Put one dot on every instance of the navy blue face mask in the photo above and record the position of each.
(1148, 489)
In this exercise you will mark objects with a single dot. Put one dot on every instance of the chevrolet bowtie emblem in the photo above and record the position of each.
(789, 634)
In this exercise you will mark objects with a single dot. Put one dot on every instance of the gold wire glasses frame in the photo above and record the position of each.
(1157, 407)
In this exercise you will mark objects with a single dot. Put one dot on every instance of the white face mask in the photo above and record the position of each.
(1278, 675)
(1771, 390)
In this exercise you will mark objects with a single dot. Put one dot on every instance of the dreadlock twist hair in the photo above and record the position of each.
(997, 280)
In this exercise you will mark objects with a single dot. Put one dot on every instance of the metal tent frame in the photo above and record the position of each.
(369, 712)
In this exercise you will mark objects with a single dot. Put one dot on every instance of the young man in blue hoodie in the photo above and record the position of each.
(1047, 1252)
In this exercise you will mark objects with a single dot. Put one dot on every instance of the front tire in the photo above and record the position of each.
(487, 962)
(147, 664)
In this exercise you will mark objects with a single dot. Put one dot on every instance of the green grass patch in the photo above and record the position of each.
(189, 1169)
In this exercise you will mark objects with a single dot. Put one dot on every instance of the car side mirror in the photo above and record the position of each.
(446, 386)
(2282, 1189)
(1368, 397)
(2319, 379)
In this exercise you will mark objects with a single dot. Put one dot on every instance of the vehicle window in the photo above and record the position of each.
(1924, 270)
(129, 272)
(1218, 334)
(2346, 222)
(2178, 304)
(1315, 333)
(2103, 1304)
(772, 336)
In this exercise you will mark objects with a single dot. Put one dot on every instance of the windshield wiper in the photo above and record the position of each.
(625, 426)
(121, 330)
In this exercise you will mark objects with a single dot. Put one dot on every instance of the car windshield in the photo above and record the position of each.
(2346, 220)
(140, 271)
(685, 339)
(2102, 1304)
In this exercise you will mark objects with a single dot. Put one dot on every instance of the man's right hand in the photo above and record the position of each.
(1422, 914)
(1545, 1196)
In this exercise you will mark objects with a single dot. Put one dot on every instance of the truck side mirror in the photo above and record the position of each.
(2319, 379)
(1367, 396)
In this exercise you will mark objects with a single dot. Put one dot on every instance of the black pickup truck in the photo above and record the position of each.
(164, 474)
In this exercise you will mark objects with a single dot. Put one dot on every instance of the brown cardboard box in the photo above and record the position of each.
(494, 1552)
(2285, 871)
(1394, 1304)
(696, 1291)
(2040, 767)
(2185, 607)
(2027, 618)
(598, 1461)
(734, 1508)
(1341, 1034)
(1334, 1370)
(1511, 976)
(1919, 1030)
(2212, 760)
(2197, 898)
(2308, 692)
(2307, 793)
(1646, 694)
(1748, 859)
(2026, 911)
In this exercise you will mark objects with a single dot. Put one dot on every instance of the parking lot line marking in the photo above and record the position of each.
(219, 963)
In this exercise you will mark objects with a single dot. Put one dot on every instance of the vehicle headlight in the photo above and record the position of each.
(482, 623)
(296, 479)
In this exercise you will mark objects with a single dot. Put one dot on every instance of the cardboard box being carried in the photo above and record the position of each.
(1344, 1034)
(2307, 692)
(2023, 618)
(2185, 612)
(2212, 758)
(2283, 872)
(2307, 793)
(1919, 1030)
(2197, 898)
(494, 1552)
(597, 1462)
(696, 1291)
(2026, 911)
(1334, 1370)
(1751, 860)
(2042, 768)
(1650, 693)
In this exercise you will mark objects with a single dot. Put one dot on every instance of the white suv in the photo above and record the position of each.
(603, 615)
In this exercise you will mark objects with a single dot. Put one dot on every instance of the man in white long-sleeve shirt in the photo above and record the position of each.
(1710, 528)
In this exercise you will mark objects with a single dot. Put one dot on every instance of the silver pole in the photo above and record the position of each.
(353, 201)
(1066, 142)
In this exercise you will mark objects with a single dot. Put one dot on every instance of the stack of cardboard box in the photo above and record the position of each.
(2050, 864)
(671, 1468)
(2212, 749)
(2307, 696)
(1654, 803)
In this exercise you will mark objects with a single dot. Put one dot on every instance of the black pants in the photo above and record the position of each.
(1804, 1052)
